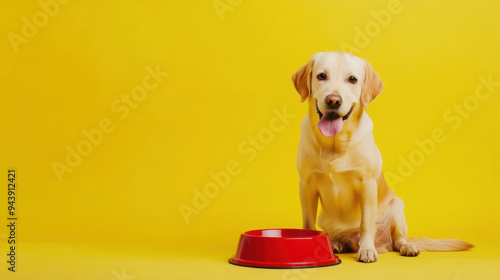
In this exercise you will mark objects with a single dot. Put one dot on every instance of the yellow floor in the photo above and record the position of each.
(115, 262)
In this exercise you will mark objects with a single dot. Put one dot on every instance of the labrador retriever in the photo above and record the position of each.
(340, 165)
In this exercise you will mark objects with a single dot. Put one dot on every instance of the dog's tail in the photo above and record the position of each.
(440, 245)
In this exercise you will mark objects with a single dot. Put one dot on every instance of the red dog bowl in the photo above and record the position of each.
(284, 248)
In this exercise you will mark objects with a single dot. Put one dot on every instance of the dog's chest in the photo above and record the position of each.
(337, 166)
(340, 177)
(338, 194)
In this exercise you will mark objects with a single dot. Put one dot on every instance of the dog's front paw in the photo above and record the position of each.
(337, 247)
(367, 255)
(409, 250)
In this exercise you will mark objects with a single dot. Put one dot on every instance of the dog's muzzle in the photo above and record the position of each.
(345, 117)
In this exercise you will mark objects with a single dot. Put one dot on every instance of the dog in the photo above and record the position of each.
(340, 165)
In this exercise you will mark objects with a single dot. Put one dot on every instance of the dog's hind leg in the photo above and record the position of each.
(338, 247)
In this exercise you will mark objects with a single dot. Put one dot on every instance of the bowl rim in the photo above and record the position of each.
(285, 265)
(319, 233)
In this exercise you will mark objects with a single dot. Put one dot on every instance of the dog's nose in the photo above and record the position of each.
(333, 101)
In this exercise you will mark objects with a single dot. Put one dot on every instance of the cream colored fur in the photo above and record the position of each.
(360, 212)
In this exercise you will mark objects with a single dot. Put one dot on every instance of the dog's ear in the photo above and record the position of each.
(372, 86)
(302, 79)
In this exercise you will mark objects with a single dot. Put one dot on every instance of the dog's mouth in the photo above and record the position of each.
(331, 123)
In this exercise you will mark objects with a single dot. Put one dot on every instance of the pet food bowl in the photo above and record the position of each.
(284, 248)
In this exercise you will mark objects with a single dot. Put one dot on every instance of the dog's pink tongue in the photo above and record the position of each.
(330, 125)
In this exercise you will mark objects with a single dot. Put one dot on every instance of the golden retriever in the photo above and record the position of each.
(340, 164)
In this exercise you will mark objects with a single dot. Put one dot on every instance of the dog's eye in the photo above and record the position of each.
(321, 76)
(353, 80)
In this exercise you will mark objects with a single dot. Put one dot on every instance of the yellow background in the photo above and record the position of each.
(226, 76)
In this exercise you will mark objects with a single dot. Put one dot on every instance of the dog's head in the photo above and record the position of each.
(336, 84)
